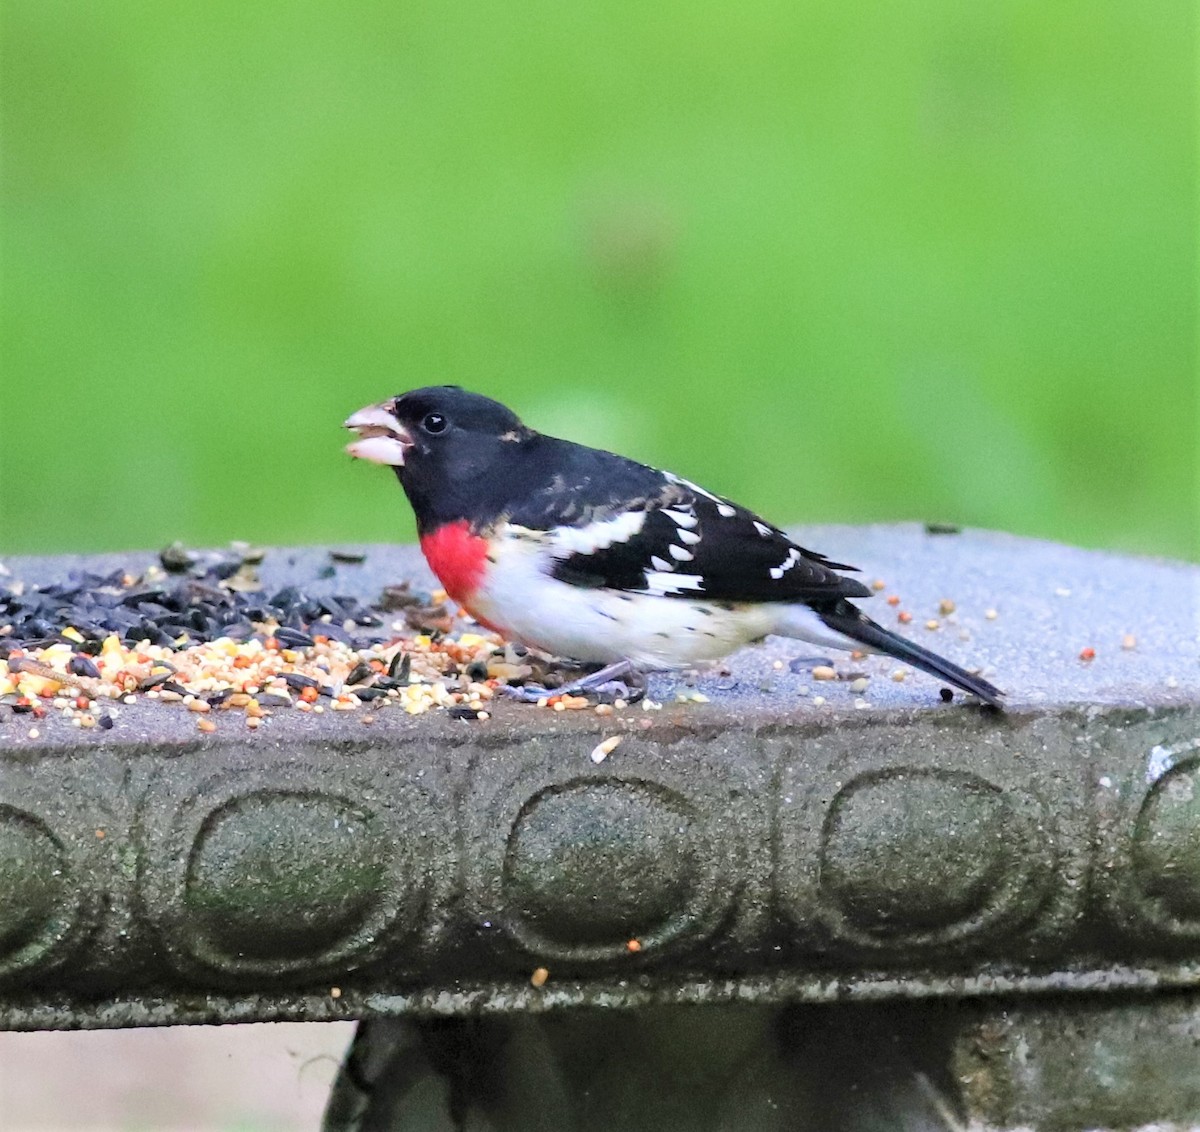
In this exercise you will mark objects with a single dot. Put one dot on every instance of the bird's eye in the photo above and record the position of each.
(434, 423)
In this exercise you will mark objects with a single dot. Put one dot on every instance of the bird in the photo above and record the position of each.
(589, 556)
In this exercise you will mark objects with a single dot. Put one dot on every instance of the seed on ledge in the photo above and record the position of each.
(1087, 653)
(904, 617)
(1129, 641)
(878, 584)
(893, 599)
(946, 606)
(602, 750)
(824, 672)
(931, 624)
(539, 977)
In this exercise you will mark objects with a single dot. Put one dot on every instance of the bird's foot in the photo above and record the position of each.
(620, 681)
(801, 664)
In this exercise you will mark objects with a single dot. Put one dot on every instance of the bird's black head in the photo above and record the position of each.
(447, 446)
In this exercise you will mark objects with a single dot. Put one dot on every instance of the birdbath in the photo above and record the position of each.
(774, 901)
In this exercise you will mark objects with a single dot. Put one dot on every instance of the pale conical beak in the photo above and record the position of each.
(382, 438)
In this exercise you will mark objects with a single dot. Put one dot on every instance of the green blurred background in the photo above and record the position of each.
(842, 262)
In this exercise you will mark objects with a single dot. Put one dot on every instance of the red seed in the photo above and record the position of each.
(904, 617)
(1087, 653)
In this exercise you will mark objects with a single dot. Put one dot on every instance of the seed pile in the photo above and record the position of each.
(202, 632)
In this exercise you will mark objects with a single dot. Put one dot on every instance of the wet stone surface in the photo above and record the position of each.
(824, 840)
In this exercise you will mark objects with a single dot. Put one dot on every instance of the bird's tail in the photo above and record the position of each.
(850, 621)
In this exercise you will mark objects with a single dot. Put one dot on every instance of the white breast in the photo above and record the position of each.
(601, 625)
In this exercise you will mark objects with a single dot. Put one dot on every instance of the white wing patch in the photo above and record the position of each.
(793, 558)
(680, 554)
(598, 536)
(658, 582)
(685, 519)
(762, 529)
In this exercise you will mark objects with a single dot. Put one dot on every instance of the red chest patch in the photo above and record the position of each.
(457, 557)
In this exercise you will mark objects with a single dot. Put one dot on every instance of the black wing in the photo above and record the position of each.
(679, 540)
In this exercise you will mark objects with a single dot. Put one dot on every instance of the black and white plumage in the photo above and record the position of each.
(588, 555)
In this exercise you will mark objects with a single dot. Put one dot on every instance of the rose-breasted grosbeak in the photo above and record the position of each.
(587, 555)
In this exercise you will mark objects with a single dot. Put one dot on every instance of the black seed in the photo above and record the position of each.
(399, 597)
(293, 638)
(401, 667)
(154, 681)
(295, 680)
(360, 673)
(83, 666)
(942, 529)
(477, 670)
(946, 694)
(135, 596)
(171, 686)
(347, 556)
(333, 607)
(366, 694)
(105, 721)
(175, 559)
(335, 632)
(463, 713)
(219, 697)
(286, 597)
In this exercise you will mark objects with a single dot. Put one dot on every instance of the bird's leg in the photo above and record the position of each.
(619, 681)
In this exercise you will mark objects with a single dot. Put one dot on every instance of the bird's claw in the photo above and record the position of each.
(607, 693)
(609, 684)
(802, 664)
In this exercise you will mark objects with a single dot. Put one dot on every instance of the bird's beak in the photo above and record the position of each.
(381, 437)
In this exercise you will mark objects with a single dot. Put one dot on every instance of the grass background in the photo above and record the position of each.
(841, 262)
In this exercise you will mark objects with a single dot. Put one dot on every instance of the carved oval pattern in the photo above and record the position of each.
(35, 909)
(592, 864)
(921, 855)
(276, 876)
(1166, 848)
